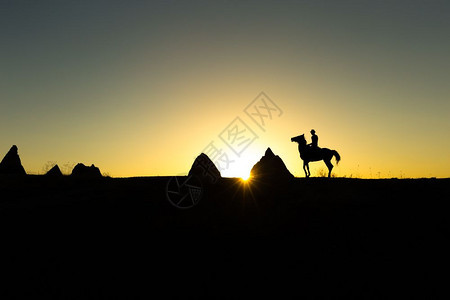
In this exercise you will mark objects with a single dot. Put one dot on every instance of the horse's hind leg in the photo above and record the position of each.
(329, 166)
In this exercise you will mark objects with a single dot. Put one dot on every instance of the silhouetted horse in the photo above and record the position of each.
(309, 154)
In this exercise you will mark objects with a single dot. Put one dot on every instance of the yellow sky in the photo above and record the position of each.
(149, 145)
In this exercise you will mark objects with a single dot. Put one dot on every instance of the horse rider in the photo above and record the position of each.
(314, 140)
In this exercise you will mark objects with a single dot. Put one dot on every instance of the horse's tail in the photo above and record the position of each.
(336, 155)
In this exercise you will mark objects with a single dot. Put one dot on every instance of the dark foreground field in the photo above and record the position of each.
(90, 238)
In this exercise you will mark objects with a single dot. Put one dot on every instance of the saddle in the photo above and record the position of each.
(314, 151)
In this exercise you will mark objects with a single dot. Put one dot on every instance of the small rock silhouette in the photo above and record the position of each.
(11, 164)
(54, 172)
(270, 167)
(81, 170)
(205, 169)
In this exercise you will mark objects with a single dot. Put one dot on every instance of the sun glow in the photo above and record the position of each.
(245, 177)
(240, 169)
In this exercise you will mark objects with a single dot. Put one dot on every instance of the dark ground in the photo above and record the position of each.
(91, 238)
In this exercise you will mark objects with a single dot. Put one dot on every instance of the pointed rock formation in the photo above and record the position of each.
(81, 170)
(54, 172)
(270, 168)
(11, 164)
(205, 169)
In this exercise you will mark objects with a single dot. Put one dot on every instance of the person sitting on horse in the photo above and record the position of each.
(314, 140)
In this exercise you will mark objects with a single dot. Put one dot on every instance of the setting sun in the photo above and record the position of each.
(245, 178)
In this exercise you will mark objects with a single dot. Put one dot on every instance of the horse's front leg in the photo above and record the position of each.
(305, 165)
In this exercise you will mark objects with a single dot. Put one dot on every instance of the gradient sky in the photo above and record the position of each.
(140, 88)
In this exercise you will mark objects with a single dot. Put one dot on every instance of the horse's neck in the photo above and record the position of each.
(301, 147)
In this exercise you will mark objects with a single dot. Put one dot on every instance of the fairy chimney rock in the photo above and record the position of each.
(204, 168)
(270, 167)
(11, 164)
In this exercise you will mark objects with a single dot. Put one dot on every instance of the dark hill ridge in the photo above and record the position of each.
(338, 238)
(11, 164)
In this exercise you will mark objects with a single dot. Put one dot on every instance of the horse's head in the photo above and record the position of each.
(299, 139)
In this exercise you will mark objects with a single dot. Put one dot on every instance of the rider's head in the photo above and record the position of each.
(313, 131)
